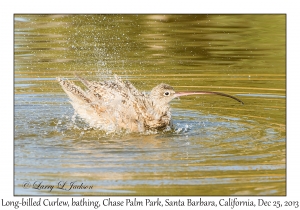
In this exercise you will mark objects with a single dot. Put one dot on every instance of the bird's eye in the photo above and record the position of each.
(166, 93)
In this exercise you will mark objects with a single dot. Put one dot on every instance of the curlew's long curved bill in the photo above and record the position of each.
(186, 93)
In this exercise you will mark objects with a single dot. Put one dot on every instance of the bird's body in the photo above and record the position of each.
(117, 104)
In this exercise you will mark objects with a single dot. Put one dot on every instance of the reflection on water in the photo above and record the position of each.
(217, 147)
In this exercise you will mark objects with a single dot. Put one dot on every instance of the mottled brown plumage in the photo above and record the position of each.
(116, 104)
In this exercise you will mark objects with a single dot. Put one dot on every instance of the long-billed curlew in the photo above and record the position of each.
(116, 104)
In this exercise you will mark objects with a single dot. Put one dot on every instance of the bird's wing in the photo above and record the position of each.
(79, 96)
(113, 102)
(117, 90)
(74, 92)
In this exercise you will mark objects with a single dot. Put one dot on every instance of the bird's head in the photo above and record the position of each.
(162, 94)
